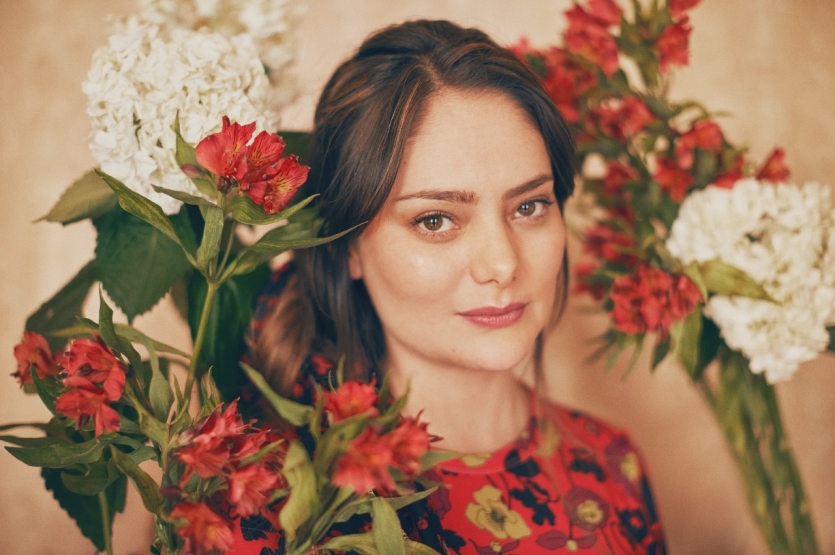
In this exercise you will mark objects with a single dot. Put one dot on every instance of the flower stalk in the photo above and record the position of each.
(199, 338)
(107, 532)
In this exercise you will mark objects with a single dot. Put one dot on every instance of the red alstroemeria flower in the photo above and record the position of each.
(673, 44)
(565, 81)
(588, 37)
(774, 168)
(730, 177)
(705, 135)
(34, 350)
(607, 11)
(275, 193)
(224, 153)
(678, 7)
(350, 399)
(250, 487)
(674, 180)
(364, 466)
(622, 118)
(83, 404)
(617, 175)
(261, 156)
(207, 449)
(204, 530)
(651, 300)
(90, 362)
(408, 442)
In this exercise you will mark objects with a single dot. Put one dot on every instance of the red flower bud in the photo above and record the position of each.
(34, 350)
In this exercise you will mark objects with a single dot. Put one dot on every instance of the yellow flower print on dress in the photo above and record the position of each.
(489, 513)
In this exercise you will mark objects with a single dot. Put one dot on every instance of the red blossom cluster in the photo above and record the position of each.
(94, 375)
(650, 300)
(257, 168)
(223, 446)
(588, 34)
(622, 118)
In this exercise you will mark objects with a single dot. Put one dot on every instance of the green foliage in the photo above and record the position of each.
(295, 413)
(304, 499)
(95, 478)
(146, 486)
(247, 212)
(87, 197)
(298, 143)
(386, 528)
(83, 509)
(136, 263)
(64, 307)
(724, 279)
(61, 455)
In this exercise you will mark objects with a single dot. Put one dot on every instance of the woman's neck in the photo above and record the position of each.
(474, 411)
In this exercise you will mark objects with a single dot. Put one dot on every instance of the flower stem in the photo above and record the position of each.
(106, 530)
(198, 340)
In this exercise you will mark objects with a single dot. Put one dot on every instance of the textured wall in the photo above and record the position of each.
(768, 62)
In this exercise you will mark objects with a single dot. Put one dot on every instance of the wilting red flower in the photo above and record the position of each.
(408, 442)
(584, 271)
(674, 180)
(622, 118)
(617, 175)
(250, 487)
(275, 193)
(204, 529)
(672, 44)
(565, 81)
(678, 7)
(83, 404)
(350, 399)
(730, 177)
(224, 153)
(588, 37)
(651, 300)
(34, 350)
(90, 362)
(364, 466)
(705, 135)
(774, 169)
(261, 155)
(611, 245)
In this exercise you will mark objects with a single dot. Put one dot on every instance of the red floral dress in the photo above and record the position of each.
(568, 484)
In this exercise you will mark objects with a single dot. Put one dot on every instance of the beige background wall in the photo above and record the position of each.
(769, 62)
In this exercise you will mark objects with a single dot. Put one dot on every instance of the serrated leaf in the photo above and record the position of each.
(295, 413)
(724, 279)
(184, 197)
(361, 543)
(303, 501)
(82, 509)
(212, 231)
(136, 263)
(386, 528)
(87, 197)
(62, 454)
(60, 311)
(146, 486)
(247, 212)
(272, 244)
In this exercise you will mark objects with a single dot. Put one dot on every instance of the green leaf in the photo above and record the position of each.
(184, 197)
(709, 345)
(363, 544)
(212, 231)
(134, 335)
(303, 501)
(295, 413)
(272, 244)
(434, 456)
(686, 336)
(386, 528)
(247, 212)
(87, 197)
(186, 156)
(831, 347)
(48, 389)
(61, 310)
(108, 334)
(84, 510)
(297, 142)
(29, 441)
(12, 426)
(99, 475)
(146, 486)
(229, 322)
(136, 263)
(63, 454)
(724, 279)
(659, 353)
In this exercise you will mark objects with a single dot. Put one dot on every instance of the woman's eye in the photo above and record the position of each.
(531, 208)
(433, 222)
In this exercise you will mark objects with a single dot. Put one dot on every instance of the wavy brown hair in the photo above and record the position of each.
(367, 111)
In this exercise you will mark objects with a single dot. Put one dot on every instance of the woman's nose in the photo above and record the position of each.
(493, 256)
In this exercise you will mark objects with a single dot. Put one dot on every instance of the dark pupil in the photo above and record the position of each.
(432, 223)
(526, 208)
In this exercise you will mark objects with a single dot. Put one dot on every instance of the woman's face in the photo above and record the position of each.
(462, 261)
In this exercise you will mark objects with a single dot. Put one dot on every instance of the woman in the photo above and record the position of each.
(447, 145)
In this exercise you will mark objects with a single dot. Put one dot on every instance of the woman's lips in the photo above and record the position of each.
(495, 317)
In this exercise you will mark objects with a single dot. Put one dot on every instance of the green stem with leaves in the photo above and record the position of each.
(105, 523)
(199, 338)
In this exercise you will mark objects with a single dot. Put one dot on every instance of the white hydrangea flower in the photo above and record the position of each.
(783, 236)
(144, 76)
(268, 22)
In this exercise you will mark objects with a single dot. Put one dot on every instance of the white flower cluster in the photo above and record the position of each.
(783, 236)
(145, 76)
(268, 22)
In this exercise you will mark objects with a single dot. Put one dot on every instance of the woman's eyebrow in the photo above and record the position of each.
(469, 197)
